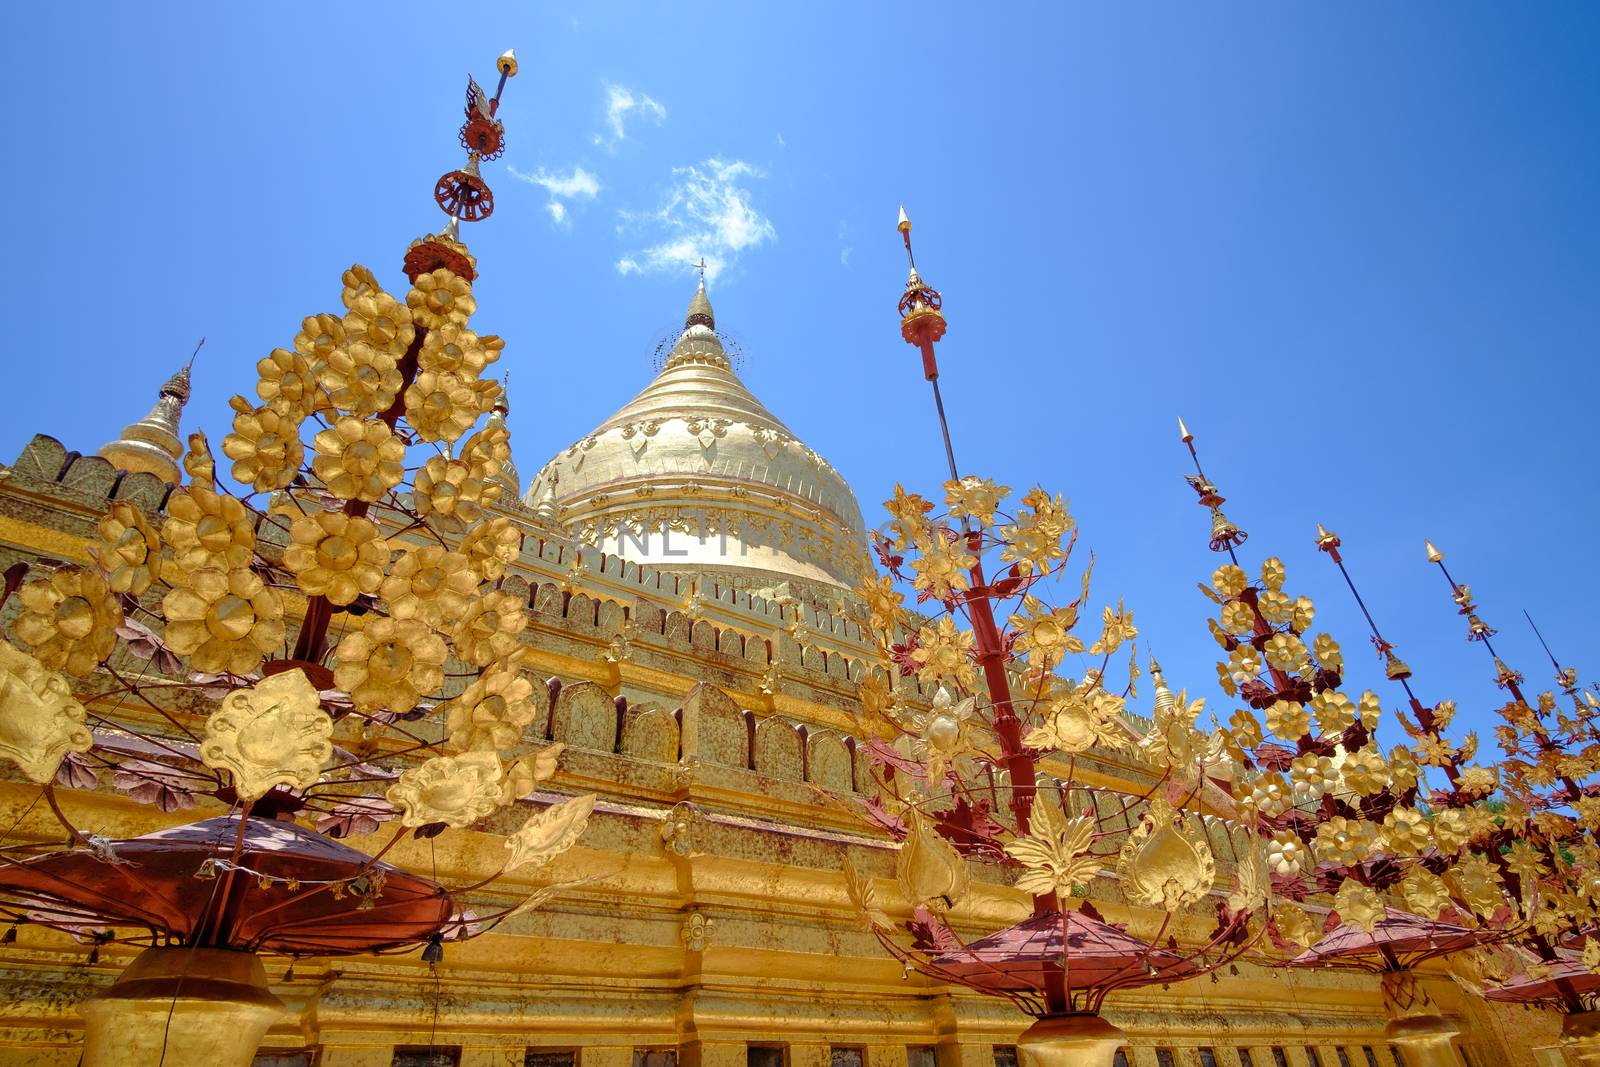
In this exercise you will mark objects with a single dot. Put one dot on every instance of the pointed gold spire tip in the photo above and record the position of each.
(1183, 431)
(507, 63)
(1434, 555)
(904, 225)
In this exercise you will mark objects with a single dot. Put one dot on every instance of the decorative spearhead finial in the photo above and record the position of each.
(1326, 538)
(921, 322)
(1183, 432)
(507, 63)
(1434, 555)
(904, 225)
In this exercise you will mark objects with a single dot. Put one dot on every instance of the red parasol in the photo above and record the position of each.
(1098, 956)
(1400, 939)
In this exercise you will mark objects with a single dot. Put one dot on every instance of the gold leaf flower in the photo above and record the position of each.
(264, 445)
(128, 550)
(490, 546)
(1312, 775)
(1450, 831)
(1043, 633)
(1369, 708)
(198, 463)
(1225, 680)
(1244, 664)
(1237, 618)
(944, 654)
(43, 721)
(1365, 771)
(1055, 853)
(358, 282)
(441, 406)
(1478, 883)
(1301, 617)
(455, 349)
(1275, 607)
(1077, 723)
(1340, 840)
(1273, 573)
(1285, 652)
(491, 712)
(1405, 831)
(379, 320)
(390, 664)
(523, 774)
(1034, 540)
(224, 621)
(883, 602)
(274, 733)
(1229, 580)
(1335, 712)
(454, 790)
(1358, 905)
(549, 832)
(1164, 863)
(361, 379)
(942, 733)
(449, 490)
(69, 618)
(429, 583)
(1403, 768)
(486, 451)
(1288, 720)
(490, 628)
(1286, 853)
(1271, 795)
(319, 335)
(335, 555)
(288, 383)
(207, 530)
(1327, 652)
(440, 297)
(359, 459)
(931, 872)
(941, 563)
(974, 497)
(1424, 892)
(1116, 627)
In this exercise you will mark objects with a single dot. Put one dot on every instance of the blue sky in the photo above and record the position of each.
(1353, 245)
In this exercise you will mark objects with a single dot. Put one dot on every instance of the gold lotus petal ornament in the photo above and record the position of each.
(862, 894)
(441, 406)
(944, 654)
(206, 529)
(274, 733)
(390, 664)
(457, 350)
(491, 712)
(930, 871)
(264, 446)
(549, 832)
(1288, 720)
(452, 492)
(1358, 905)
(359, 459)
(69, 618)
(431, 584)
(975, 498)
(1163, 863)
(1229, 580)
(361, 379)
(379, 321)
(129, 549)
(441, 297)
(491, 628)
(289, 382)
(224, 621)
(454, 790)
(491, 546)
(336, 555)
(43, 721)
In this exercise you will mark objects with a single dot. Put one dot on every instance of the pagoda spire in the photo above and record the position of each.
(700, 313)
(154, 443)
(508, 476)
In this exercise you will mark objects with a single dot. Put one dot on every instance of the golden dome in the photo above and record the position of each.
(696, 474)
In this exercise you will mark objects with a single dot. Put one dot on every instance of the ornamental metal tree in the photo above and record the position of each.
(995, 767)
(175, 665)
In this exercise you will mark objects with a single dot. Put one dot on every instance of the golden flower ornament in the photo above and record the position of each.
(1327, 653)
(1055, 854)
(1244, 663)
(883, 602)
(69, 618)
(431, 584)
(1450, 831)
(1341, 840)
(1237, 618)
(1365, 771)
(1369, 708)
(264, 446)
(361, 379)
(975, 498)
(129, 550)
(1043, 633)
(930, 871)
(288, 383)
(1294, 925)
(454, 349)
(907, 516)
(319, 335)
(450, 490)
(1335, 712)
(491, 628)
(1425, 893)
(1079, 722)
(487, 451)
(359, 459)
(943, 733)
(1405, 831)
(335, 555)
(454, 790)
(1288, 720)
(1403, 768)
(1270, 794)
(1286, 853)
(1033, 541)
(491, 712)
(441, 406)
(358, 282)
(1116, 627)
(274, 733)
(523, 774)
(1311, 776)
(944, 654)
(1478, 884)
(490, 546)
(381, 322)
(1284, 652)
(1358, 905)
(198, 463)
(864, 896)
(941, 563)
(549, 832)
(1275, 607)
(1163, 863)
(208, 530)
(1478, 781)
(1229, 580)
(224, 621)
(1302, 614)
(390, 664)
(439, 297)
(1273, 573)
(43, 721)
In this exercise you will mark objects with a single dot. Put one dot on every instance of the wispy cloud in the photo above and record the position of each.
(622, 106)
(707, 212)
(844, 250)
(578, 185)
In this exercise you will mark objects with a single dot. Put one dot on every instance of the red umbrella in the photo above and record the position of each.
(294, 892)
(1559, 981)
(1097, 956)
(1409, 939)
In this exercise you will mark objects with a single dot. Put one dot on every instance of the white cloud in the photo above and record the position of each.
(579, 185)
(844, 235)
(781, 142)
(706, 212)
(620, 104)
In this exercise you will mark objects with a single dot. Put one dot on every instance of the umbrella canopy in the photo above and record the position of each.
(1409, 939)
(1096, 955)
(1556, 982)
(296, 892)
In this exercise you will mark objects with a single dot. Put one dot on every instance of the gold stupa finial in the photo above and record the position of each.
(153, 444)
(904, 225)
(1164, 700)
(700, 313)
(1434, 555)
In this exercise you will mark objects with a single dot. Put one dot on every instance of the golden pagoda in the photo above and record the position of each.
(153, 444)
